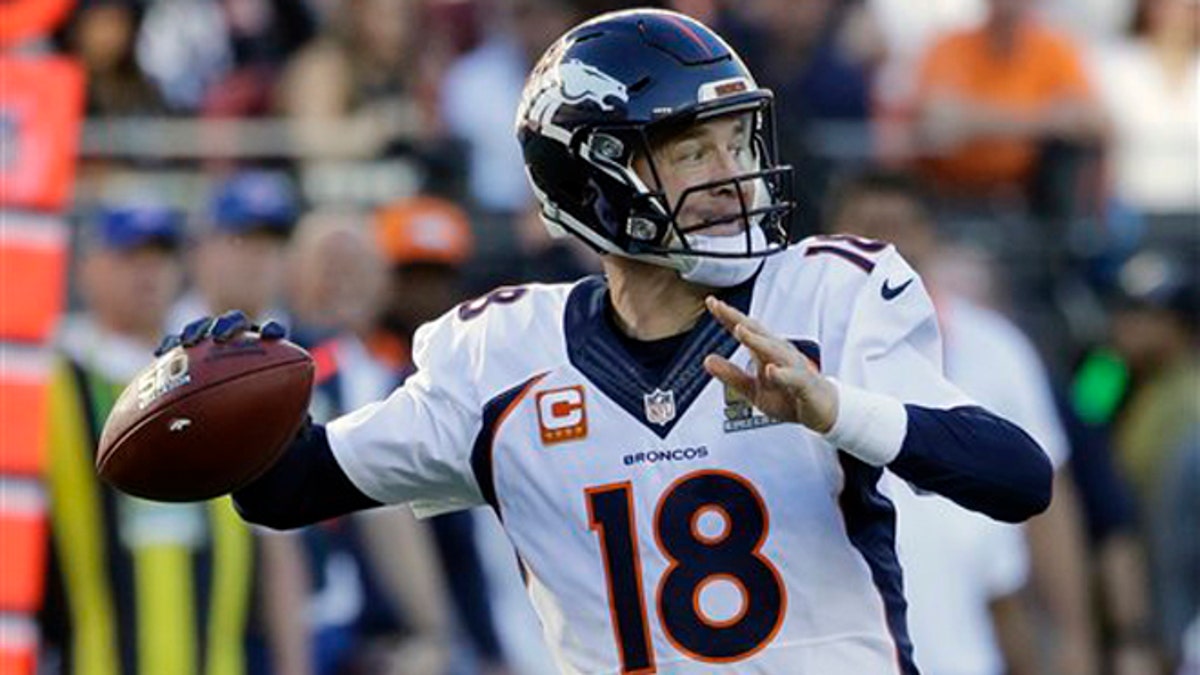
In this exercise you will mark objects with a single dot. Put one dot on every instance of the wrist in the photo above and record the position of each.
(868, 425)
(821, 407)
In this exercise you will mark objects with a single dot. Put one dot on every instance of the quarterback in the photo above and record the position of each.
(685, 451)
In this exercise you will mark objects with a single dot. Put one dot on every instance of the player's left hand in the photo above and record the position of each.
(782, 382)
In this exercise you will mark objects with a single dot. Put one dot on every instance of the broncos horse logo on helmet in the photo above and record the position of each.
(571, 82)
(594, 101)
(581, 82)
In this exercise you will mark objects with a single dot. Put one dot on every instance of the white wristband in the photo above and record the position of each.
(869, 426)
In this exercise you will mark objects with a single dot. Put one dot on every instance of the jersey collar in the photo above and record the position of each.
(596, 351)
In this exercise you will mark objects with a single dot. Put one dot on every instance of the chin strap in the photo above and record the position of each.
(722, 272)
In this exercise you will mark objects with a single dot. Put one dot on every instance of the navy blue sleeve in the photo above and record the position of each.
(978, 460)
(305, 486)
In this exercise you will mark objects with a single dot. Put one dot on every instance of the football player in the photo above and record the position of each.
(685, 451)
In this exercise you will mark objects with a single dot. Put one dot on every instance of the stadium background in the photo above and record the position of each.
(1068, 194)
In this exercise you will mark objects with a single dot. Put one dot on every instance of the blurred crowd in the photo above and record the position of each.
(349, 167)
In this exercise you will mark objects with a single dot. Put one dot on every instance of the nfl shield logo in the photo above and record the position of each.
(660, 406)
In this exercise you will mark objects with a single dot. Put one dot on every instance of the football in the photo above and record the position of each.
(203, 421)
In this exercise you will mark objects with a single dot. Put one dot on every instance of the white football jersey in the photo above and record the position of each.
(668, 526)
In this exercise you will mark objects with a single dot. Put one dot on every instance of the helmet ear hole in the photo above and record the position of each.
(642, 229)
(607, 147)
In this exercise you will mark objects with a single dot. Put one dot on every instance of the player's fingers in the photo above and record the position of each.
(168, 343)
(272, 330)
(229, 325)
(816, 400)
(795, 380)
(730, 317)
(729, 374)
(195, 331)
(718, 310)
(767, 348)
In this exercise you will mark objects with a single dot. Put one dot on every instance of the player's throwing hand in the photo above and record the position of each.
(782, 383)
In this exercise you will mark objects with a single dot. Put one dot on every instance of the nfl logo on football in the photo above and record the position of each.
(660, 406)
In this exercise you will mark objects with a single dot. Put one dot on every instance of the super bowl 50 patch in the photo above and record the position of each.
(741, 415)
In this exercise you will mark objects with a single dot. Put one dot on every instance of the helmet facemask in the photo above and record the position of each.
(752, 218)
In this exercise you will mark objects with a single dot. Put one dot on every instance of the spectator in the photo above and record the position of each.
(519, 31)
(239, 261)
(549, 259)
(335, 278)
(988, 97)
(379, 602)
(263, 34)
(906, 36)
(184, 47)
(1116, 544)
(966, 572)
(1150, 85)
(994, 363)
(426, 241)
(138, 586)
(818, 57)
(1155, 329)
(358, 88)
(101, 34)
(1097, 23)
(1176, 547)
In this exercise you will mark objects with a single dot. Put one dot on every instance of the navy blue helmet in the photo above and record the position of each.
(609, 88)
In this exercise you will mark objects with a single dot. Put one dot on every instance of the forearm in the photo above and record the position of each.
(285, 589)
(1015, 634)
(1000, 123)
(980, 461)
(401, 550)
(1123, 582)
(1061, 577)
(305, 486)
(945, 123)
(948, 122)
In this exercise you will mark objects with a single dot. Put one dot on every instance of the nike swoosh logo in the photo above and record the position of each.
(890, 293)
